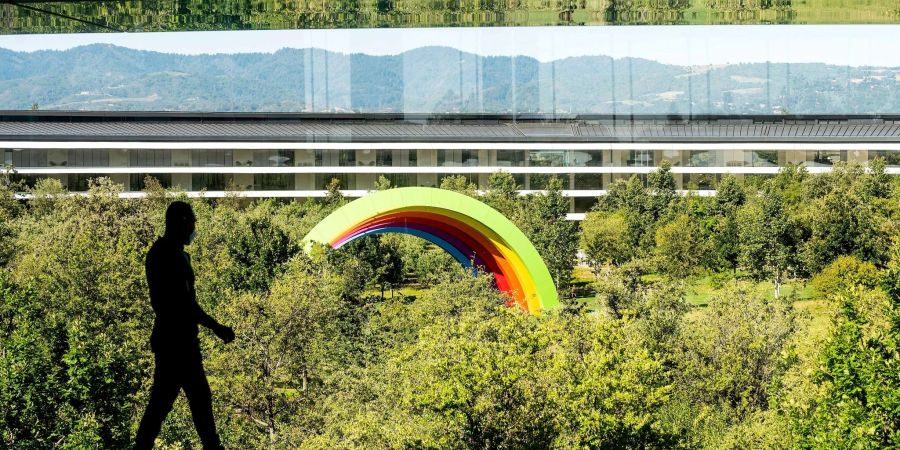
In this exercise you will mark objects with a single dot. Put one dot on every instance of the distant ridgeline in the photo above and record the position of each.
(186, 15)
(431, 80)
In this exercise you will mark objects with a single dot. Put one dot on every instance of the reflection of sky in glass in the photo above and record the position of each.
(689, 70)
(684, 45)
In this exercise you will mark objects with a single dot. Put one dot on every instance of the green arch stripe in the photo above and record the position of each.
(529, 267)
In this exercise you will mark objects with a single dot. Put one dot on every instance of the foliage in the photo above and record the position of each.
(488, 376)
(860, 371)
(843, 223)
(768, 246)
(322, 361)
(844, 273)
(603, 239)
(680, 247)
(728, 358)
(459, 183)
(258, 248)
(542, 217)
(290, 343)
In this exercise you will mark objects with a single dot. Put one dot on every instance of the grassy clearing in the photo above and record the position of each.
(702, 289)
(815, 313)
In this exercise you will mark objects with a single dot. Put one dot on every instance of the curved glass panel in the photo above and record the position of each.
(693, 70)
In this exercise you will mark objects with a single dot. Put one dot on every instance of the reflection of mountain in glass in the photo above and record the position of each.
(431, 80)
(185, 15)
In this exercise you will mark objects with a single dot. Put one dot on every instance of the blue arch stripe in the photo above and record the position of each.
(446, 246)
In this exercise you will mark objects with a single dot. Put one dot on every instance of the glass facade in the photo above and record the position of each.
(579, 169)
(519, 71)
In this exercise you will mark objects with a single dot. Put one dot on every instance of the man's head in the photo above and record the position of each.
(180, 222)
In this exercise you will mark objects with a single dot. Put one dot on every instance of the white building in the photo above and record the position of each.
(295, 155)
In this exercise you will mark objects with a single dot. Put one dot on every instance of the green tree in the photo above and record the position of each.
(878, 182)
(768, 246)
(44, 195)
(333, 196)
(258, 249)
(726, 360)
(603, 239)
(844, 273)
(631, 199)
(474, 374)
(84, 261)
(543, 220)
(681, 248)
(382, 183)
(290, 345)
(859, 374)
(459, 183)
(502, 194)
(661, 190)
(843, 223)
(730, 194)
(9, 211)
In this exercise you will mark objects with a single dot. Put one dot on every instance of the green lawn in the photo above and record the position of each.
(702, 289)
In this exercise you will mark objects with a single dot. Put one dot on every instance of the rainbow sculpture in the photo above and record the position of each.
(471, 231)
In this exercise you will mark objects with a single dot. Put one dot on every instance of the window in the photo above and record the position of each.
(212, 158)
(400, 179)
(640, 158)
(510, 158)
(469, 157)
(449, 158)
(29, 158)
(89, 158)
(27, 180)
(384, 157)
(701, 158)
(273, 181)
(347, 158)
(347, 180)
(273, 158)
(701, 181)
(79, 181)
(149, 158)
(891, 157)
(542, 180)
(588, 181)
(547, 158)
(824, 157)
(587, 158)
(584, 204)
(209, 181)
(308, 158)
(673, 156)
(763, 158)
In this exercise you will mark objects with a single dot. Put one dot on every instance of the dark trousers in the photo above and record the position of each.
(176, 370)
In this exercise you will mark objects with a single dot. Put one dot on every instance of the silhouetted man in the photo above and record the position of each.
(179, 364)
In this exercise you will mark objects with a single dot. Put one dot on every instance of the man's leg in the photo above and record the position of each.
(162, 396)
(196, 388)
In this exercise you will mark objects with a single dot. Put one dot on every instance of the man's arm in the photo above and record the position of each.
(223, 332)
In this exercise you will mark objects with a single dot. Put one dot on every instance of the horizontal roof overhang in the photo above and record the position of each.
(453, 128)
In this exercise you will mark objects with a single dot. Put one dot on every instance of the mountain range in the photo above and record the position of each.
(430, 80)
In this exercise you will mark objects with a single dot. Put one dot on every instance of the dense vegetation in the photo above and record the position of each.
(388, 344)
(189, 15)
(431, 79)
